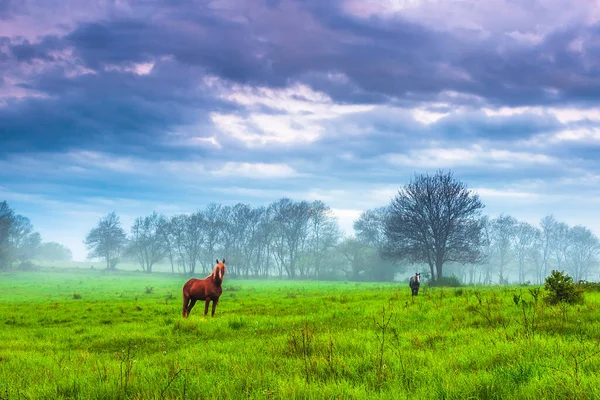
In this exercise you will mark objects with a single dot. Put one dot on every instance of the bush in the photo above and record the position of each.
(561, 289)
(448, 281)
(589, 286)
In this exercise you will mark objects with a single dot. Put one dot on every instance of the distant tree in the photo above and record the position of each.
(369, 229)
(166, 234)
(485, 253)
(434, 220)
(290, 221)
(324, 234)
(263, 241)
(177, 232)
(560, 243)
(524, 240)
(23, 240)
(52, 251)
(212, 234)
(544, 244)
(7, 216)
(147, 242)
(193, 239)
(503, 230)
(240, 228)
(582, 253)
(107, 240)
(356, 255)
(18, 241)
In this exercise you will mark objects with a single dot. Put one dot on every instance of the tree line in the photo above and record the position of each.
(295, 239)
(433, 225)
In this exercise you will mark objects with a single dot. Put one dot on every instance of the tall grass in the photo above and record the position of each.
(119, 340)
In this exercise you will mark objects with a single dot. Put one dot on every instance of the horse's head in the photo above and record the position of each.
(418, 277)
(219, 271)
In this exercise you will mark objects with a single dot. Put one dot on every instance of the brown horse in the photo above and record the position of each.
(206, 289)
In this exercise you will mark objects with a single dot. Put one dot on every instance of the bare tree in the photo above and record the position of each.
(370, 231)
(485, 253)
(291, 223)
(177, 236)
(434, 220)
(503, 232)
(560, 243)
(212, 234)
(106, 240)
(7, 216)
(263, 241)
(242, 221)
(147, 243)
(323, 233)
(193, 239)
(544, 244)
(582, 253)
(523, 242)
(167, 236)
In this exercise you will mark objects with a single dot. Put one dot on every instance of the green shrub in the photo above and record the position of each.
(561, 289)
(448, 281)
(589, 286)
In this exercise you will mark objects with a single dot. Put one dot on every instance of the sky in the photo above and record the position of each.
(168, 105)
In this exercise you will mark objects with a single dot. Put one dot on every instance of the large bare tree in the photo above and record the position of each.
(434, 220)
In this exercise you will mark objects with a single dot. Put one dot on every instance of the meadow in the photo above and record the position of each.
(101, 335)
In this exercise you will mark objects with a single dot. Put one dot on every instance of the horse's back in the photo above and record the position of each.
(192, 286)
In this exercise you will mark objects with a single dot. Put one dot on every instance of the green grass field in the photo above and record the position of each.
(97, 335)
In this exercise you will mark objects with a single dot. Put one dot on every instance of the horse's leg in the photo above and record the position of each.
(206, 306)
(185, 311)
(192, 304)
(214, 307)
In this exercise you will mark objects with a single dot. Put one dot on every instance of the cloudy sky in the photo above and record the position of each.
(142, 105)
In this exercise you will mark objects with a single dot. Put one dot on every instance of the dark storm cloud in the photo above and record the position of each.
(392, 58)
(273, 44)
(108, 111)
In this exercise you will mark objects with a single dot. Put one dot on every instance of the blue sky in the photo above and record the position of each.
(141, 105)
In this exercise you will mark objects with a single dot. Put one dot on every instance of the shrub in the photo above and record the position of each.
(561, 289)
(449, 281)
(589, 286)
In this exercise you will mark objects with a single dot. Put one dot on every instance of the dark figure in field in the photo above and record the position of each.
(414, 283)
(206, 289)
